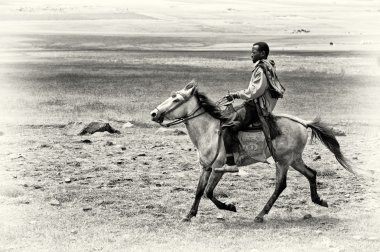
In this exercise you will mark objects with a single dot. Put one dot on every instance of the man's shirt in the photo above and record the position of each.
(258, 88)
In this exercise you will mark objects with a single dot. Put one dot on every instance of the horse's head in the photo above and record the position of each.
(179, 105)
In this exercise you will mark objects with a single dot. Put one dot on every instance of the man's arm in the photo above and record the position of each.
(256, 87)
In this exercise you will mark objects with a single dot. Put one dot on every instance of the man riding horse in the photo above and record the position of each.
(260, 99)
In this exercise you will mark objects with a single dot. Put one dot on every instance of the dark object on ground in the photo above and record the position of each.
(307, 216)
(93, 127)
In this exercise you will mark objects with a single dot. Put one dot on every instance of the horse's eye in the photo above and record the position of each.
(176, 100)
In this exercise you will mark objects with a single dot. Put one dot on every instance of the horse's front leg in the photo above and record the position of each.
(212, 183)
(198, 195)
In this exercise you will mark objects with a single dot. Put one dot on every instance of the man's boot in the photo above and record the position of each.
(230, 165)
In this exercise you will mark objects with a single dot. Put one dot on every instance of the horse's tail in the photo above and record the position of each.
(325, 134)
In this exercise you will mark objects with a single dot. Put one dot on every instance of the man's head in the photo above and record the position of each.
(260, 50)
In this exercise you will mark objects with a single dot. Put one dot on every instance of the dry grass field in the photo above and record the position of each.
(129, 192)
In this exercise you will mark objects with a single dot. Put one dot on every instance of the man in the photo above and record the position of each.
(262, 93)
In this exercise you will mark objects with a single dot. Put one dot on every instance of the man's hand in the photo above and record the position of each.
(228, 98)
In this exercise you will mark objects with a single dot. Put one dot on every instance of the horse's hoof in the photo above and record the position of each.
(259, 219)
(186, 219)
(324, 203)
(232, 208)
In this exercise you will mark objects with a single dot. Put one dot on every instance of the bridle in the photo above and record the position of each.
(187, 118)
(182, 119)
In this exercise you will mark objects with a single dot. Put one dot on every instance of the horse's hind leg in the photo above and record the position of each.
(311, 175)
(212, 183)
(203, 180)
(281, 172)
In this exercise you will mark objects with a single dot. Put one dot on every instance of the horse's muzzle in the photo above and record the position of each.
(156, 116)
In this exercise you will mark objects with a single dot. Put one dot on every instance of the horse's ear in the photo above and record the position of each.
(192, 84)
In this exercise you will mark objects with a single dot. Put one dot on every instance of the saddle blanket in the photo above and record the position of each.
(252, 148)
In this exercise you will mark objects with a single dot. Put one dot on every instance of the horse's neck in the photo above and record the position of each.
(203, 131)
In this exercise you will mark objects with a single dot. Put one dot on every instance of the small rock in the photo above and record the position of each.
(338, 132)
(86, 141)
(220, 216)
(355, 158)
(149, 206)
(141, 155)
(26, 202)
(14, 176)
(128, 125)
(119, 162)
(67, 180)
(123, 148)
(307, 216)
(37, 186)
(44, 146)
(317, 158)
(55, 202)
(173, 132)
(87, 208)
(74, 231)
(347, 195)
(357, 237)
(318, 232)
(109, 143)
(242, 173)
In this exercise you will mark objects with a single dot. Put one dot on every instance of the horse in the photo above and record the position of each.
(202, 119)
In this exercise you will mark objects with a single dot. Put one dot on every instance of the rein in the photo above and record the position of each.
(189, 117)
(183, 119)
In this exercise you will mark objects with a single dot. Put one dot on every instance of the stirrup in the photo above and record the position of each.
(227, 168)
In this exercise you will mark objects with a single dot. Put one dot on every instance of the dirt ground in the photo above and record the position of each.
(129, 191)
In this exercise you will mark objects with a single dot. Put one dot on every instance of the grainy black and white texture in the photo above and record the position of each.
(65, 65)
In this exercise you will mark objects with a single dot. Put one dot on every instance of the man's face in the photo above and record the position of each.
(257, 55)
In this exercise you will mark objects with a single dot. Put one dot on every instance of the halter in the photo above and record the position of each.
(182, 119)
(189, 117)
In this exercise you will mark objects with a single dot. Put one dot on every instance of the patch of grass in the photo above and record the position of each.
(326, 172)
(93, 106)
(53, 102)
(87, 84)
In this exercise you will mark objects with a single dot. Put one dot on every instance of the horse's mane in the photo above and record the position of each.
(209, 105)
